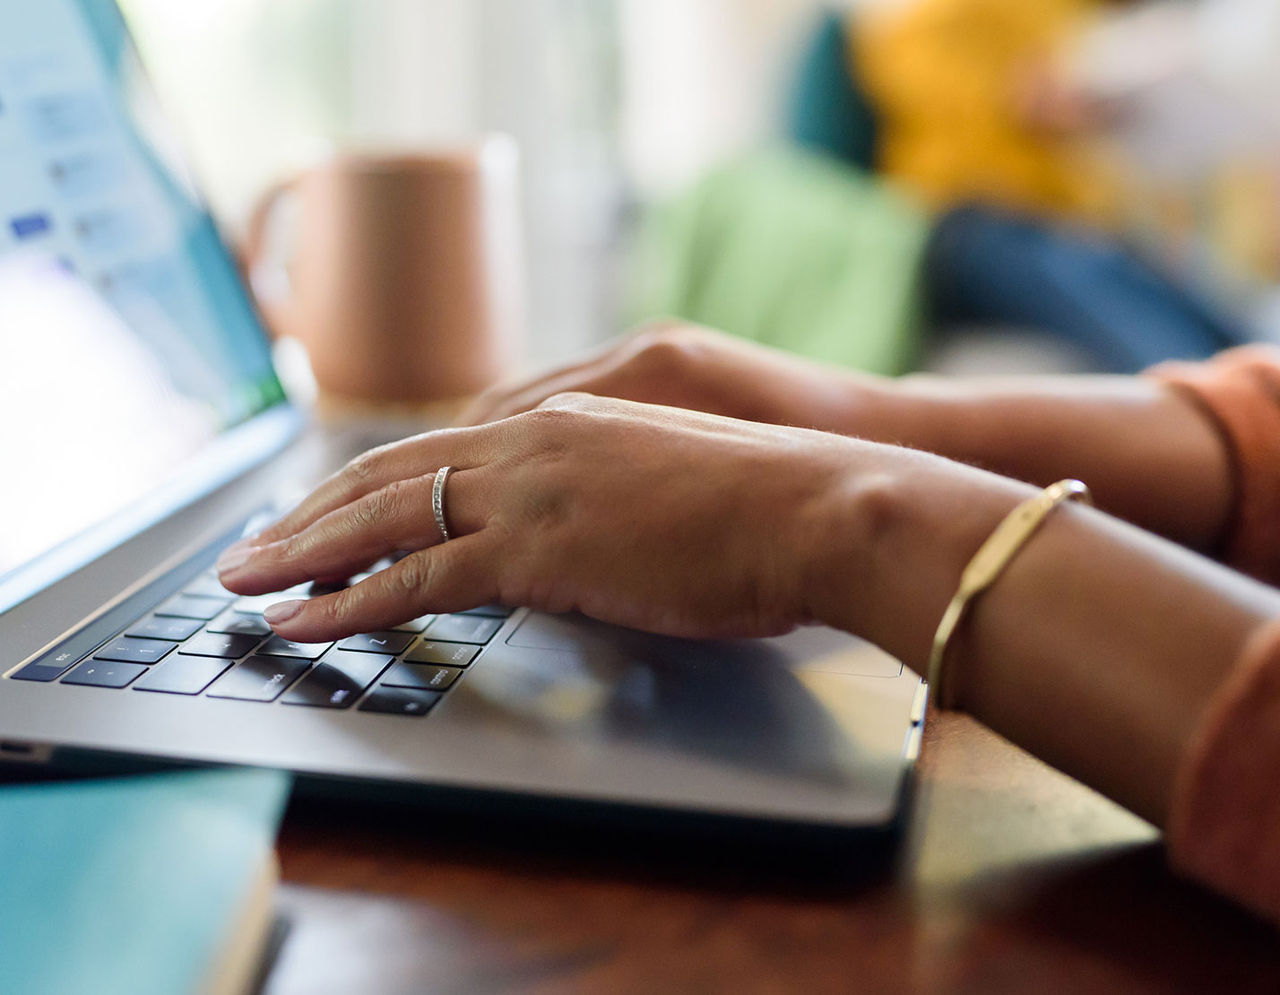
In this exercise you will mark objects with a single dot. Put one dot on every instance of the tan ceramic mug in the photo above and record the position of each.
(404, 277)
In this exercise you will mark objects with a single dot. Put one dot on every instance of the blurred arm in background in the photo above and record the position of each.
(1181, 86)
(1148, 451)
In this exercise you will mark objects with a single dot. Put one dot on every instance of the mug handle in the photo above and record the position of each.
(274, 302)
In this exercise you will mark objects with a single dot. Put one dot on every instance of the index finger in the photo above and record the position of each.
(453, 576)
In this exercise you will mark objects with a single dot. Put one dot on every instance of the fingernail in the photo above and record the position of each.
(234, 557)
(282, 611)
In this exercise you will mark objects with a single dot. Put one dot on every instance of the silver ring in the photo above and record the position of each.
(437, 500)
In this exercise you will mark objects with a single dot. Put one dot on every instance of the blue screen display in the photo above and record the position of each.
(127, 342)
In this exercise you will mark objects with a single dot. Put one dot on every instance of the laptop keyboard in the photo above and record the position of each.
(206, 641)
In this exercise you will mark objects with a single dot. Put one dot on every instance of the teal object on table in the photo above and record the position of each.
(129, 885)
(827, 108)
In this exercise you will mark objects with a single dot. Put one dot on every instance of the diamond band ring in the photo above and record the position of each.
(437, 500)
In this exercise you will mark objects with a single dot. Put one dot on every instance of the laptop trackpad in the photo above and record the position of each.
(691, 700)
(812, 649)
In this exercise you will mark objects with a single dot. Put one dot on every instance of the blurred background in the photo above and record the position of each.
(957, 184)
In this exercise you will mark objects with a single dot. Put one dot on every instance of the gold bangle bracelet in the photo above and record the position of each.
(988, 563)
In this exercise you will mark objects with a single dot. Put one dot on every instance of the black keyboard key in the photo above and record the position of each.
(126, 649)
(399, 701)
(259, 603)
(475, 629)
(279, 646)
(259, 678)
(413, 675)
(378, 642)
(227, 645)
(207, 586)
(104, 674)
(317, 590)
(489, 611)
(160, 627)
(337, 680)
(240, 624)
(47, 669)
(451, 654)
(193, 606)
(183, 675)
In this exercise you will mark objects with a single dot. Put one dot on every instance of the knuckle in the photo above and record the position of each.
(364, 467)
(667, 350)
(412, 575)
(298, 546)
(400, 495)
(366, 514)
(336, 607)
(659, 328)
(665, 334)
(377, 508)
(556, 405)
(548, 430)
(294, 546)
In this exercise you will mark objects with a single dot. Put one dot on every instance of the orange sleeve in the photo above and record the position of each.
(1224, 824)
(1239, 392)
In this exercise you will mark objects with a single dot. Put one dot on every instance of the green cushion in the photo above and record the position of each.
(793, 250)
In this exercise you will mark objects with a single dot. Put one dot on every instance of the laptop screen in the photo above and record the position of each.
(127, 344)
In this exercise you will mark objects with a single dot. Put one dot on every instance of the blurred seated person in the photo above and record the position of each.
(961, 104)
(706, 487)
(1181, 88)
(958, 90)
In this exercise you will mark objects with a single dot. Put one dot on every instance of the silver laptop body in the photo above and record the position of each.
(143, 428)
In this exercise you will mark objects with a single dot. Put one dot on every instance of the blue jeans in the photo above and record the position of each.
(986, 266)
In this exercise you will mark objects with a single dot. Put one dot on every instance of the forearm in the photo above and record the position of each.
(1100, 650)
(1149, 455)
(1096, 650)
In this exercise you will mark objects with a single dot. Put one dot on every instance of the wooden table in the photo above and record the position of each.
(1011, 878)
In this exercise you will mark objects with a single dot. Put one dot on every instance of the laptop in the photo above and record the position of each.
(143, 429)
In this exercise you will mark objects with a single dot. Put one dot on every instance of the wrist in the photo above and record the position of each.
(909, 411)
(893, 541)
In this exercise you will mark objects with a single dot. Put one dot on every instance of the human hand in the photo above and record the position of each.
(687, 366)
(1048, 99)
(691, 524)
(671, 521)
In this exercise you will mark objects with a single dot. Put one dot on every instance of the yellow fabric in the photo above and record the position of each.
(943, 76)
